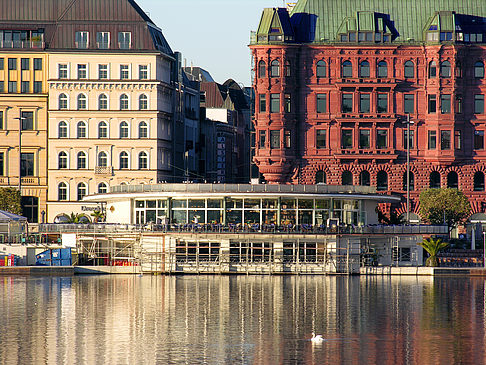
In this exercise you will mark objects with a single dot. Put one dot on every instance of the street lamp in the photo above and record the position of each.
(20, 119)
(408, 166)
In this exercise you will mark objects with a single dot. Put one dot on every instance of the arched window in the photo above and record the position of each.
(445, 69)
(142, 130)
(364, 178)
(321, 69)
(288, 69)
(124, 102)
(82, 160)
(102, 130)
(409, 70)
(102, 188)
(321, 177)
(62, 191)
(103, 102)
(62, 129)
(63, 101)
(142, 160)
(347, 178)
(124, 130)
(452, 180)
(434, 182)
(479, 181)
(275, 68)
(143, 102)
(412, 181)
(382, 69)
(82, 102)
(364, 69)
(62, 160)
(432, 69)
(382, 181)
(458, 69)
(102, 159)
(479, 70)
(123, 160)
(81, 130)
(347, 69)
(82, 190)
(262, 72)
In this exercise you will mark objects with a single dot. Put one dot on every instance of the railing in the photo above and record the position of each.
(22, 44)
(103, 170)
(28, 181)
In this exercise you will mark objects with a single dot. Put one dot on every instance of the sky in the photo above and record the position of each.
(212, 34)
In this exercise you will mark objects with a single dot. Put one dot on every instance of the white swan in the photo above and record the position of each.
(316, 338)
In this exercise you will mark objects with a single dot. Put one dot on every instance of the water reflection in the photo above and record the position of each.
(241, 320)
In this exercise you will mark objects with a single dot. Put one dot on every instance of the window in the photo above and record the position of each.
(408, 103)
(409, 70)
(37, 64)
(124, 40)
(81, 130)
(346, 138)
(321, 177)
(25, 64)
(432, 145)
(287, 139)
(124, 102)
(27, 120)
(12, 63)
(411, 184)
(262, 136)
(478, 104)
(321, 104)
(123, 160)
(62, 160)
(347, 178)
(103, 40)
(62, 70)
(262, 103)
(82, 71)
(382, 181)
(458, 104)
(321, 140)
(364, 69)
(262, 69)
(275, 139)
(27, 164)
(1, 120)
(2, 63)
(347, 69)
(62, 129)
(452, 180)
(63, 101)
(287, 103)
(445, 104)
(275, 69)
(457, 140)
(142, 130)
(364, 103)
(142, 160)
(103, 102)
(382, 70)
(410, 140)
(143, 102)
(288, 69)
(434, 180)
(479, 181)
(364, 178)
(2, 164)
(143, 72)
(12, 86)
(124, 72)
(445, 140)
(478, 140)
(37, 87)
(381, 139)
(102, 188)
(81, 160)
(347, 103)
(432, 104)
(445, 69)
(81, 102)
(124, 130)
(24, 86)
(479, 70)
(102, 159)
(103, 72)
(82, 40)
(364, 138)
(458, 70)
(274, 103)
(102, 130)
(382, 103)
(321, 69)
(82, 190)
(62, 192)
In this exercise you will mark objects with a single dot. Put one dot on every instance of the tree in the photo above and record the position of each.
(77, 218)
(444, 206)
(10, 200)
(98, 216)
(433, 246)
(393, 219)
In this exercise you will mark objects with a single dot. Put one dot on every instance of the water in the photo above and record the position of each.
(241, 320)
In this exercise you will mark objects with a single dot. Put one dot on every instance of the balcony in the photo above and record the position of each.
(23, 44)
(103, 170)
(26, 181)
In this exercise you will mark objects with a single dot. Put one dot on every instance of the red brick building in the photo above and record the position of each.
(335, 81)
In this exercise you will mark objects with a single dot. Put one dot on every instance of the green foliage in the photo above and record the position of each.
(98, 216)
(10, 200)
(433, 246)
(77, 218)
(393, 219)
(449, 206)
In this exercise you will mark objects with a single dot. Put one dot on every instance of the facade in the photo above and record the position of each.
(335, 91)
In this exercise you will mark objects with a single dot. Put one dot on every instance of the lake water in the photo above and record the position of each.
(241, 320)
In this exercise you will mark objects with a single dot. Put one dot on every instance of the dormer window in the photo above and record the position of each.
(82, 40)
(103, 40)
(124, 40)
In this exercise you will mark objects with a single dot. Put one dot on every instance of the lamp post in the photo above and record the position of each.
(20, 118)
(408, 167)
